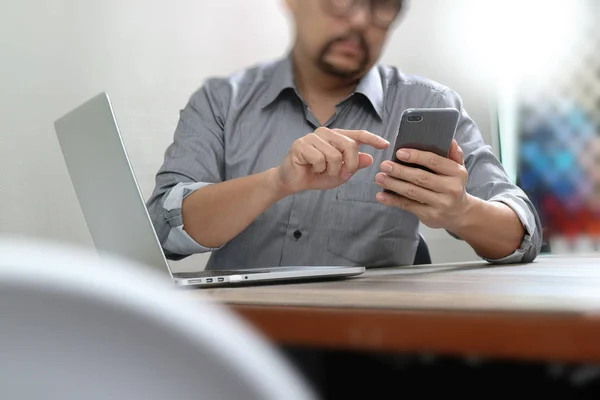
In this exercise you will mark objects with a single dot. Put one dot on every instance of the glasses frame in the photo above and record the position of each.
(352, 8)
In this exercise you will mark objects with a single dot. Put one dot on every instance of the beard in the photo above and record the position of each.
(339, 72)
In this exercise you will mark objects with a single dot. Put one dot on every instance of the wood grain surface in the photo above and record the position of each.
(548, 310)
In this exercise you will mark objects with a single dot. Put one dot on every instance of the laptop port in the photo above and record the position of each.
(209, 280)
(221, 279)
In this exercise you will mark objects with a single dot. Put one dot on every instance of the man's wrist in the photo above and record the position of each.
(469, 218)
(272, 183)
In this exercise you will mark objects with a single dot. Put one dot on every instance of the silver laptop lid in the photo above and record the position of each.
(105, 184)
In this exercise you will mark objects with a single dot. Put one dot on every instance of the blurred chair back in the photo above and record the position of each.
(75, 326)
(422, 256)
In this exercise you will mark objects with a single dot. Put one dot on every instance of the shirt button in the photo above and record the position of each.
(297, 234)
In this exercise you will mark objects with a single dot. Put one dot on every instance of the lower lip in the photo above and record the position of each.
(349, 48)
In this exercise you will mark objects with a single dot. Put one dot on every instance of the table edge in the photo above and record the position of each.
(558, 336)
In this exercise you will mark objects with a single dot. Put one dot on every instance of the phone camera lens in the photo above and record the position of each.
(415, 118)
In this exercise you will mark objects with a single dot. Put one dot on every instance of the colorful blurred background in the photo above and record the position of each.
(558, 133)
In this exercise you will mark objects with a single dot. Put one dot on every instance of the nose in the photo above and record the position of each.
(361, 16)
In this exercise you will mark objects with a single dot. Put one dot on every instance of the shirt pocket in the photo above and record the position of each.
(358, 192)
(361, 229)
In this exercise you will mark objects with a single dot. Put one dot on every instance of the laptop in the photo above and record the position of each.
(115, 211)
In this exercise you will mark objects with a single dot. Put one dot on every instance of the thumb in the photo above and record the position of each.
(456, 153)
(364, 160)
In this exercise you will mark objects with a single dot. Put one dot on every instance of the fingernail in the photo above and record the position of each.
(380, 196)
(386, 168)
(380, 178)
(402, 155)
(382, 140)
(347, 176)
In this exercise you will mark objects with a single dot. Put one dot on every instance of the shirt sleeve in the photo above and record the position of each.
(489, 181)
(192, 161)
(178, 240)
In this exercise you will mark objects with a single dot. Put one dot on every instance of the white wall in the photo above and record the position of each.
(150, 55)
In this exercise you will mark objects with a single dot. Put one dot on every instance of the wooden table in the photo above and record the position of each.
(547, 310)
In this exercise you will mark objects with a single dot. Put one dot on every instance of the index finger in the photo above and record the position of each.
(436, 163)
(364, 137)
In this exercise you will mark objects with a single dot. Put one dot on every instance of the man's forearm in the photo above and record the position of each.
(492, 229)
(217, 213)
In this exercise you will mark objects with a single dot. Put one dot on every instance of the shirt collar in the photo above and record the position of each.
(282, 78)
(371, 87)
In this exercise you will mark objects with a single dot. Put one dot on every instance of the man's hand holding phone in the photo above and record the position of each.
(438, 199)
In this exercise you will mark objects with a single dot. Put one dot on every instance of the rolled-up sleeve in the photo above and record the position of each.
(489, 181)
(194, 160)
(178, 240)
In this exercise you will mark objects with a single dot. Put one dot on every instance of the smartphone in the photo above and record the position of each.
(427, 129)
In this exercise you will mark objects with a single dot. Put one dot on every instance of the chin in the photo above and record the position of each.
(343, 70)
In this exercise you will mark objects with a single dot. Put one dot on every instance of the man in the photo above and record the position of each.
(284, 163)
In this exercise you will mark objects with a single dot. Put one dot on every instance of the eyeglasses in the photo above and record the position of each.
(383, 12)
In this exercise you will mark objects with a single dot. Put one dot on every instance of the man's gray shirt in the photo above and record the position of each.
(245, 123)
